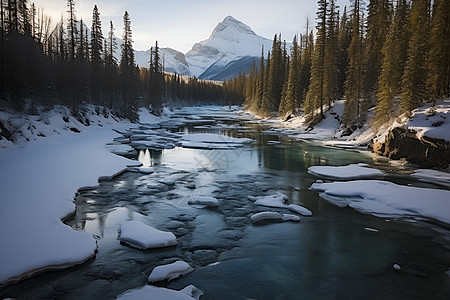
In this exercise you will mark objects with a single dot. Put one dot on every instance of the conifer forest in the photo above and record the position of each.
(391, 55)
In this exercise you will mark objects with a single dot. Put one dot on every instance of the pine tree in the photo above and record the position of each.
(128, 72)
(291, 97)
(275, 76)
(315, 95)
(344, 39)
(393, 65)
(330, 60)
(414, 78)
(305, 65)
(353, 84)
(72, 29)
(261, 82)
(377, 24)
(96, 55)
(438, 63)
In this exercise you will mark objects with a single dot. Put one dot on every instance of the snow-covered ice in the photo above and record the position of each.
(387, 199)
(158, 293)
(212, 141)
(204, 201)
(38, 182)
(433, 176)
(280, 200)
(170, 271)
(266, 216)
(349, 172)
(396, 267)
(273, 216)
(142, 236)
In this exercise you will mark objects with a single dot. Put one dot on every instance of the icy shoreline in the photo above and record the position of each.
(38, 181)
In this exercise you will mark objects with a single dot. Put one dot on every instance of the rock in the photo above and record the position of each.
(401, 143)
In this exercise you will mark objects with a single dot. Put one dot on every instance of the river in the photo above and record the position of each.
(329, 255)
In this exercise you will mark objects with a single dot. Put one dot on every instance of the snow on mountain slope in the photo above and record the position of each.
(230, 40)
(175, 62)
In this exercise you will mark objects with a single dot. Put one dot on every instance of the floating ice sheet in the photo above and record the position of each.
(349, 172)
(433, 176)
(158, 293)
(142, 236)
(169, 272)
(384, 199)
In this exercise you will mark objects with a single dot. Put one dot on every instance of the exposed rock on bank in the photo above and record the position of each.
(402, 143)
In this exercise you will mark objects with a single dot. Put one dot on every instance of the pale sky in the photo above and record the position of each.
(179, 24)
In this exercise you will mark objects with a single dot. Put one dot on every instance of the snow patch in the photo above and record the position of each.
(433, 176)
(152, 292)
(139, 235)
(280, 200)
(170, 271)
(387, 199)
(204, 201)
(349, 172)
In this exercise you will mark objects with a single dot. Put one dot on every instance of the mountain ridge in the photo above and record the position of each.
(230, 49)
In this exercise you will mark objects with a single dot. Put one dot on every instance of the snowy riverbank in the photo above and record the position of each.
(53, 156)
(428, 127)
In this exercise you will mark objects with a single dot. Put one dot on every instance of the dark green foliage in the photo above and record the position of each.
(438, 63)
(413, 84)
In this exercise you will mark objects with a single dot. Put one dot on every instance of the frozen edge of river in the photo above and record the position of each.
(37, 184)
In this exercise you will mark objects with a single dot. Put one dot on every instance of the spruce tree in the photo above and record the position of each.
(128, 71)
(377, 23)
(353, 84)
(414, 78)
(344, 39)
(438, 63)
(393, 64)
(96, 55)
(72, 29)
(331, 52)
(315, 95)
(291, 97)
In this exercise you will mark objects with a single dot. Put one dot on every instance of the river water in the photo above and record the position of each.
(328, 255)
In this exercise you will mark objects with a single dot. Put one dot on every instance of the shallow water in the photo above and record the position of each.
(329, 255)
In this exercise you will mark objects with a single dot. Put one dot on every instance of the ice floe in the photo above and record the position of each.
(170, 271)
(433, 176)
(212, 141)
(280, 200)
(266, 216)
(387, 199)
(349, 172)
(204, 201)
(142, 236)
(152, 292)
(273, 216)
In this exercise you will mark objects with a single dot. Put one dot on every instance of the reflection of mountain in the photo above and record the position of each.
(231, 49)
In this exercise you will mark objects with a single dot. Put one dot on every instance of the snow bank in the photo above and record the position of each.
(386, 199)
(142, 236)
(433, 122)
(280, 201)
(38, 182)
(433, 176)
(350, 172)
(170, 271)
(152, 292)
(204, 201)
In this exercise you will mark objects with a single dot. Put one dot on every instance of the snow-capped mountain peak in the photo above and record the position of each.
(230, 25)
(230, 41)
